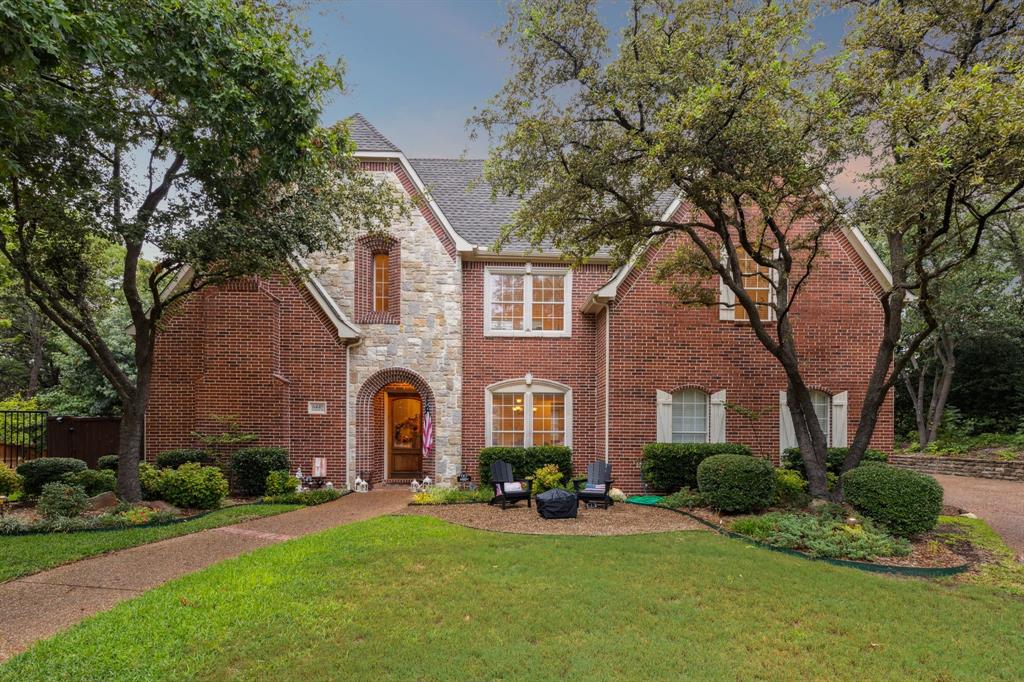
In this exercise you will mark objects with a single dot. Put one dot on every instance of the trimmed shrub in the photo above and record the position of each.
(790, 489)
(107, 463)
(61, 501)
(671, 466)
(452, 496)
(193, 486)
(149, 479)
(684, 498)
(10, 481)
(736, 484)
(281, 483)
(93, 481)
(251, 466)
(172, 459)
(822, 536)
(308, 498)
(546, 478)
(525, 461)
(905, 502)
(834, 457)
(38, 472)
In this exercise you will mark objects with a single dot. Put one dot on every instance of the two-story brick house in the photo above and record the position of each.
(508, 348)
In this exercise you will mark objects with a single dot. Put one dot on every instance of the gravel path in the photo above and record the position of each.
(999, 503)
(42, 604)
(620, 519)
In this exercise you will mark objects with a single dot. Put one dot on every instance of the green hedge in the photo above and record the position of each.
(193, 486)
(92, 481)
(252, 465)
(172, 459)
(38, 472)
(906, 502)
(834, 457)
(107, 462)
(308, 498)
(736, 484)
(525, 461)
(670, 466)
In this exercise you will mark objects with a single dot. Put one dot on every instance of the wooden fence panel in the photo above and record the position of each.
(85, 438)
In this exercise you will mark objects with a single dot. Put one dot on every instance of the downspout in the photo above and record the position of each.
(607, 375)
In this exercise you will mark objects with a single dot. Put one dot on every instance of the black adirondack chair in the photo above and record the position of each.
(598, 485)
(501, 476)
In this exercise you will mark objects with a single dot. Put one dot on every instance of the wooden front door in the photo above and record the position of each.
(405, 437)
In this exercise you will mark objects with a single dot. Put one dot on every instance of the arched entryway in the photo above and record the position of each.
(390, 407)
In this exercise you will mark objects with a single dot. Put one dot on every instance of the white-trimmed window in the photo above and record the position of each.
(526, 412)
(691, 416)
(759, 283)
(830, 411)
(527, 301)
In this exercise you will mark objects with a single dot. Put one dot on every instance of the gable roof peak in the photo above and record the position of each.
(366, 137)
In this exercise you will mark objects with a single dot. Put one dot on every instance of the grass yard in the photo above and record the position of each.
(415, 598)
(24, 554)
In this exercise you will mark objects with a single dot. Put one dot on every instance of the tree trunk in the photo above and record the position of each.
(944, 382)
(810, 438)
(129, 451)
(37, 338)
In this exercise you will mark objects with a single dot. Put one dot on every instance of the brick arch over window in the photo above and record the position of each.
(367, 247)
(370, 452)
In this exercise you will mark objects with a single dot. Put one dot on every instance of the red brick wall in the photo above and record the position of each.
(659, 344)
(567, 360)
(258, 350)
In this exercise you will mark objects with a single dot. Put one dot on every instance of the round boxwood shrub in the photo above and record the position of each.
(38, 472)
(736, 484)
(10, 482)
(149, 479)
(252, 465)
(93, 481)
(905, 502)
(172, 459)
(193, 486)
(61, 501)
(281, 483)
(107, 462)
(671, 466)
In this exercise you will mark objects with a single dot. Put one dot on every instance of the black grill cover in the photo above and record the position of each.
(556, 504)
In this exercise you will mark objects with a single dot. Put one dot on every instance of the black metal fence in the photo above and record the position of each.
(22, 436)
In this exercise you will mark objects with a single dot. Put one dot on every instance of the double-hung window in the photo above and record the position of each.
(527, 301)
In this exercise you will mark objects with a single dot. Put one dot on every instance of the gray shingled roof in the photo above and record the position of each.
(459, 188)
(366, 137)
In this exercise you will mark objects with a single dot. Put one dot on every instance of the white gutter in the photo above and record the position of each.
(607, 376)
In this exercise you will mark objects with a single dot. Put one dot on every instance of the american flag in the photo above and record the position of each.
(428, 431)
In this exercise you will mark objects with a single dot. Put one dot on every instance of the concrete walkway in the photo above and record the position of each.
(40, 605)
(999, 503)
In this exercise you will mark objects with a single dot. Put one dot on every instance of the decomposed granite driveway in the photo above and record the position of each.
(39, 605)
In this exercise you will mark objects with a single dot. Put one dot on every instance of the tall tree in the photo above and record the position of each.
(190, 127)
(727, 104)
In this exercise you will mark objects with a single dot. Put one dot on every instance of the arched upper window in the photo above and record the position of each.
(690, 416)
(526, 412)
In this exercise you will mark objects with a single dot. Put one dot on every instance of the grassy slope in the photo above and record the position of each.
(24, 554)
(415, 598)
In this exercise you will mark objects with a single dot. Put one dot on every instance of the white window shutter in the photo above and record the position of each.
(664, 417)
(716, 433)
(787, 434)
(839, 419)
(726, 296)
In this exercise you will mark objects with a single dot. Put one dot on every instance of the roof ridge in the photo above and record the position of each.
(444, 158)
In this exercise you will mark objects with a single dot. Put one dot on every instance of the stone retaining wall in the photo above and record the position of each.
(979, 468)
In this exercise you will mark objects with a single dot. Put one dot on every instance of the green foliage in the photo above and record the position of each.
(822, 536)
(10, 481)
(736, 483)
(30, 429)
(252, 465)
(834, 457)
(671, 466)
(684, 498)
(149, 478)
(108, 462)
(193, 486)
(905, 502)
(308, 498)
(525, 461)
(790, 489)
(280, 482)
(231, 433)
(92, 481)
(61, 501)
(547, 478)
(437, 495)
(175, 458)
(38, 472)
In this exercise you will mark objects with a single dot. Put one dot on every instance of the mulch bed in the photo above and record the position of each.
(620, 519)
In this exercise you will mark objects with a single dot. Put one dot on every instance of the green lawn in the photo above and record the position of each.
(24, 554)
(415, 598)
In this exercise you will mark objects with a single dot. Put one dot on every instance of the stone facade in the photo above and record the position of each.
(426, 340)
